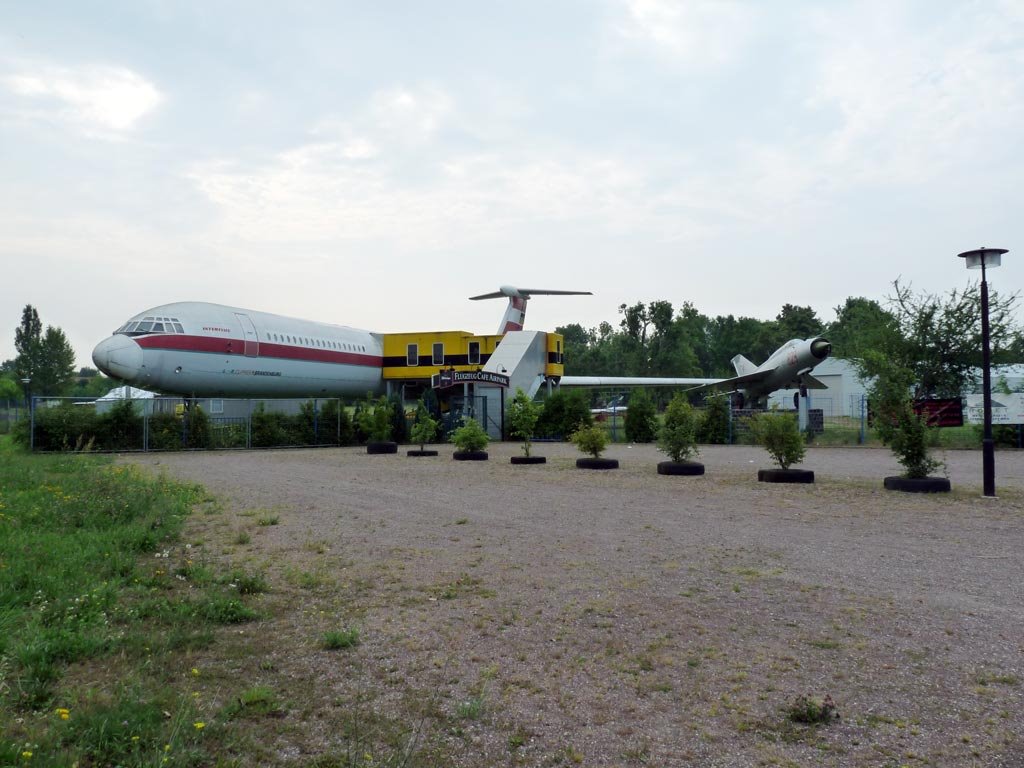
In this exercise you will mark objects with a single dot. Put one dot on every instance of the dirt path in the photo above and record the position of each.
(549, 615)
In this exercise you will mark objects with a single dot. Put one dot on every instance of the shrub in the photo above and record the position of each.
(197, 427)
(592, 440)
(121, 427)
(641, 418)
(563, 414)
(424, 429)
(523, 414)
(678, 435)
(470, 436)
(811, 711)
(897, 425)
(399, 420)
(779, 434)
(375, 418)
(714, 427)
(165, 432)
(268, 429)
(334, 426)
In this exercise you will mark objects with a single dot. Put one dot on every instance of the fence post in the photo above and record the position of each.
(248, 427)
(316, 424)
(730, 435)
(863, 419)
(32, 424)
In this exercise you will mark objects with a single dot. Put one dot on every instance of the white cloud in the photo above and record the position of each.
(914, 101)
(95, 98)
(699, 33)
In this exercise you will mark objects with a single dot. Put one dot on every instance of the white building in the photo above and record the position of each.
(843, 394)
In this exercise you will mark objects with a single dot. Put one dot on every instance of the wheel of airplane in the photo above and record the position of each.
(785, 475)
(592, 463)
(917, 484)
(684, 468)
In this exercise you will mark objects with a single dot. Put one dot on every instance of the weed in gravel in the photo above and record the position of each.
(258, 701)
(266, 520)
(341, 639)
(987, 678)
(812, 711)
(470, 709)
(248, 583)
(242, 538)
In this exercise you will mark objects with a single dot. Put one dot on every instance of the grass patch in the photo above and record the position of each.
(93, 577)
(341, 639)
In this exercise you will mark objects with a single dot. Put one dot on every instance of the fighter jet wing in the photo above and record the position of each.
(735, 383)
(812, 383)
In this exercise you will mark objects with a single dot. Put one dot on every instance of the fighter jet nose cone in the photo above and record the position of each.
(821, 348)
(120, 357)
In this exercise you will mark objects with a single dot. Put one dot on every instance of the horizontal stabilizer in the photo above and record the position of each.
(525, 293)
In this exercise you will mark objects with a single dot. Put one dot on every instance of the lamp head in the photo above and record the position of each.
(987, 257)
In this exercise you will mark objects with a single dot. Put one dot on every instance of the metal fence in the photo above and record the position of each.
(10, 412)
(830, 422)
(170, 424)
(174, 424)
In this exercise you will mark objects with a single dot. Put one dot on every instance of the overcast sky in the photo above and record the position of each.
(376, 163)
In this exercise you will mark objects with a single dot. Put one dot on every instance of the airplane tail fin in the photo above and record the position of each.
(742, 365)
(515, 312)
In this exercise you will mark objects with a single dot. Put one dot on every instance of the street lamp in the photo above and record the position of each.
(24, 385)
(979, 259)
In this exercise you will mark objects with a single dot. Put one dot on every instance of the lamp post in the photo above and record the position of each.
(979, 259)
(24, 385)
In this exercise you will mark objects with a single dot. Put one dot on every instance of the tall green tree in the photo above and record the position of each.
(795, 322)
(941, 336)
(862, 325)
(45, 358)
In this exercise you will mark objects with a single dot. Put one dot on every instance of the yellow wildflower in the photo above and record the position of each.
(199, 725)
(63, 713)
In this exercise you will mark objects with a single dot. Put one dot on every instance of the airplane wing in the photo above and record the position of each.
(630, 381)
(733, 384)
(812, 383)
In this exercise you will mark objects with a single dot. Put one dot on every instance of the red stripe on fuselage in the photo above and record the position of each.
(220, 346)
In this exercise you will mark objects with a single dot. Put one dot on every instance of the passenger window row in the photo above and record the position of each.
(341, 346)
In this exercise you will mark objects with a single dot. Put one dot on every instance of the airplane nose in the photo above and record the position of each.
(821, 348)
(120, 357)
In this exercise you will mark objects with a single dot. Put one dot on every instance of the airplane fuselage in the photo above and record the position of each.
(212, 350)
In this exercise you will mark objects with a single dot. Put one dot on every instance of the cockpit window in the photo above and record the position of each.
(178, 328)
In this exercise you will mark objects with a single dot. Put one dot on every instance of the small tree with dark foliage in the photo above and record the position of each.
(641, 418)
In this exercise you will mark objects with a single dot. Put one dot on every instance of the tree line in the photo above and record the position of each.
(936, 337)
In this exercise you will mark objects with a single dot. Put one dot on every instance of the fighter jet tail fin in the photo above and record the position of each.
(743, 366)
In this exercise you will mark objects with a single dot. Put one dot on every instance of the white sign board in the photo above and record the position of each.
(1006, 409)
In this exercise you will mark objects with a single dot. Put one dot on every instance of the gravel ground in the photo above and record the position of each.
(545, 615)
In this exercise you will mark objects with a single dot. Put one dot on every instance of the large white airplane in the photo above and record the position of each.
(211, 350)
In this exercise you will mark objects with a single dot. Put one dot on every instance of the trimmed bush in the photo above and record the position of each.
(779, 434)
(678, 435)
